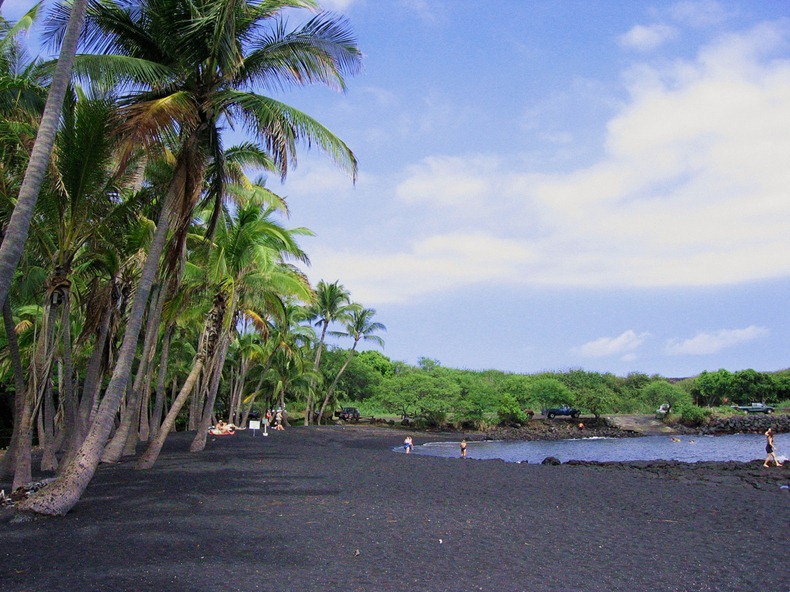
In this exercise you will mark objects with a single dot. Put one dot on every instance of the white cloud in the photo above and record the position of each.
(624, 345)
(647, 38)
(437, 263)
(336, 5)
(446, 180)
(691, 190)
(710, 343)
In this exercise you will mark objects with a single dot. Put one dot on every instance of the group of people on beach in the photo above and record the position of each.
(223, 429)
(275, 419)
(408, 446)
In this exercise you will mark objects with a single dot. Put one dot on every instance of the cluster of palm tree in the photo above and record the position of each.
(150, 270)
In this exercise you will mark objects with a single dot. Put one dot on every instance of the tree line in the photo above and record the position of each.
(436, 395)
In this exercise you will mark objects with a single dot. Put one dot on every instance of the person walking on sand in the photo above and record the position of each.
(463, 448)
(408, 444)
(770, 449)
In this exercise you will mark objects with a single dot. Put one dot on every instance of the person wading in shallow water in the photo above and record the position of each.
(770, 449)
(408, 444)
(463, 448)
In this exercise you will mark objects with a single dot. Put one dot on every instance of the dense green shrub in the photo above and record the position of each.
(510, 411)
(693, 416)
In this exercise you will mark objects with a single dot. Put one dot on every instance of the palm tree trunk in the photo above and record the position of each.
(149, 457)
(124, 442)
(19, 224)
(9, 459)
(144, 427)
(41, 391)
(199, 442)
(92, 383)
(235, 411)
(68, 393)
(159, 401)
(331, 388)
(309, 405)
(61, 495)
(142, 381)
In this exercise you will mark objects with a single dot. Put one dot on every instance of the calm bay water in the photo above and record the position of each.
(737, 447)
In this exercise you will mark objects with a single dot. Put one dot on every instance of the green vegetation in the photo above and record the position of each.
(430, 393)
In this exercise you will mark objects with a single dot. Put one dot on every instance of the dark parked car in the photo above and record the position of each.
(564, 410)
(349, 414)
(755, 408)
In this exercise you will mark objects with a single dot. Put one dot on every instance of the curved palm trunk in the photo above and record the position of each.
(19, 224)
(92, 385)
(9, 459)
(215, 343)
(61, 495)
(141, 432)
(149, 457)
(124, 442)
(70, 402)
(159, 402)
(309, 405)
(40, 385)
(199, 442)
(330, 391)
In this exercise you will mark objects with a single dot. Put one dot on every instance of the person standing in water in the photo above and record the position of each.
(463, 448)
(408, 444)
(770, 449)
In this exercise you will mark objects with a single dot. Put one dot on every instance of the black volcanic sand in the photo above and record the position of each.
(324, 509)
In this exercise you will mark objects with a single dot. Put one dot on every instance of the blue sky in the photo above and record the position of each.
(559, 184)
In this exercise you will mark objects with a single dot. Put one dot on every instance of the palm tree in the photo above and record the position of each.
(80, 206)
(360, 327)
(242, 268)
(19, 225)
(247, 265)
(193, 62)
(332, 304)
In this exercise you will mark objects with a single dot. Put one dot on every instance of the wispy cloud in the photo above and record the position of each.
(647, 38)
(337, 5)
(624, 345)
(710, 343)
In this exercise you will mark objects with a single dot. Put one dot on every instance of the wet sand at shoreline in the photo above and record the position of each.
(333, 508)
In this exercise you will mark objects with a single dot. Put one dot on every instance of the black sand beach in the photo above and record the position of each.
(317, 509)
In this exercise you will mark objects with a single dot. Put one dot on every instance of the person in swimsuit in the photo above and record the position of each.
(408, 444)
(770, 450)
(463, 448)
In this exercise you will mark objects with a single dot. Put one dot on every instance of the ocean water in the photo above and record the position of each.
(736, 447)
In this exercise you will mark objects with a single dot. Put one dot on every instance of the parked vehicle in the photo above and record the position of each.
(563, 410)
(349, 414)
(755, 408)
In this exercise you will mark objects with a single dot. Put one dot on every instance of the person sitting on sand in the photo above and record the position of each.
(223, 429)
(408, 444)
(463, 448)
(770, 449)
